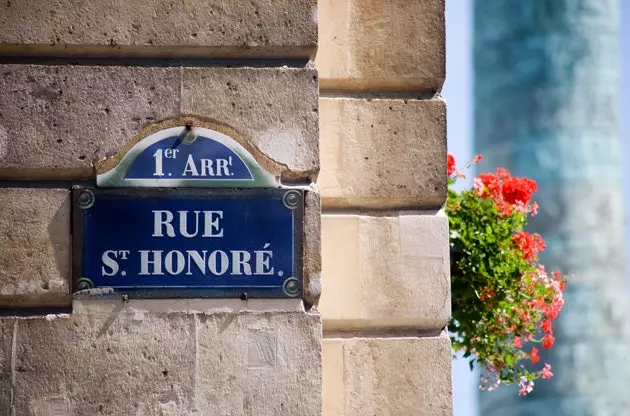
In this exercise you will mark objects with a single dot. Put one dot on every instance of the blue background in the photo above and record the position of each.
(118, 222)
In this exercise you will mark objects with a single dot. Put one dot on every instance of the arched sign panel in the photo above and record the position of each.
(187, 157)
(243, 240)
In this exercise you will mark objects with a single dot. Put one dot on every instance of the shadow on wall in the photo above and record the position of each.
(61, 241)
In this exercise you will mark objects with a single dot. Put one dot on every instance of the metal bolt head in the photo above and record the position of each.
(291, 199)
(188, 136)
(83, 284)
(291, 287)
(86, 199)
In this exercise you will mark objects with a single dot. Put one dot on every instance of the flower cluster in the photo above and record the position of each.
(504, 301)
(509, 193)
(529, 244)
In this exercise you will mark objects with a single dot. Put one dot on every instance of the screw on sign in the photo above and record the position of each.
(84, 284)
(291, 199)
(291, 286)
(86, 199)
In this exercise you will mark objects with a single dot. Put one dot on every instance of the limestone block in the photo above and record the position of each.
(56, 121)
(34, 247)
(375, 45)
(189, 28)
(385, 271)
(383, 153)
(276, 108)
(123, 364)
(267, 364)
(136, 363)
(387, 376)
(67, 117)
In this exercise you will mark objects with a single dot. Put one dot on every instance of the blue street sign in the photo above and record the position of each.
(170, 243)
(187, 157)
(203, 159)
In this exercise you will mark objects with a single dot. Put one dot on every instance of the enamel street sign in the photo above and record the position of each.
(189, 243)
(149, 231)
(187, 157)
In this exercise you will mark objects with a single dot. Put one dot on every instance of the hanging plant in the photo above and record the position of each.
(504, 301)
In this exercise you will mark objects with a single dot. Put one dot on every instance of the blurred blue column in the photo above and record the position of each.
(546, 106)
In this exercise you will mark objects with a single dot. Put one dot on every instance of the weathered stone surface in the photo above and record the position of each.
(135, 363)
(312, 267)
(383, 153)
(67, 117)
(259, 365)
(56, 121)
(34, 247)
(277, 109)
(190, 306)
(385, 272)
(375, 45)
(208, 28)
(333, 377)
(387, 376)
(118, 364)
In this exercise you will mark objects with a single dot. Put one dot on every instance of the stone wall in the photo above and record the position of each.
(78, 82)
(386, 295)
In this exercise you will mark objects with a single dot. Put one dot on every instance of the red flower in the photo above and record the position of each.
(529, 244)
(509, 193)
(504, 208)
(477, 159)
(525, 317)
(518, 191)
(487, 185)
(551, 311)
(517, 342)
(486, 296)
(534, 355)
(450, 164)
(548, 341)
(546, 325)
